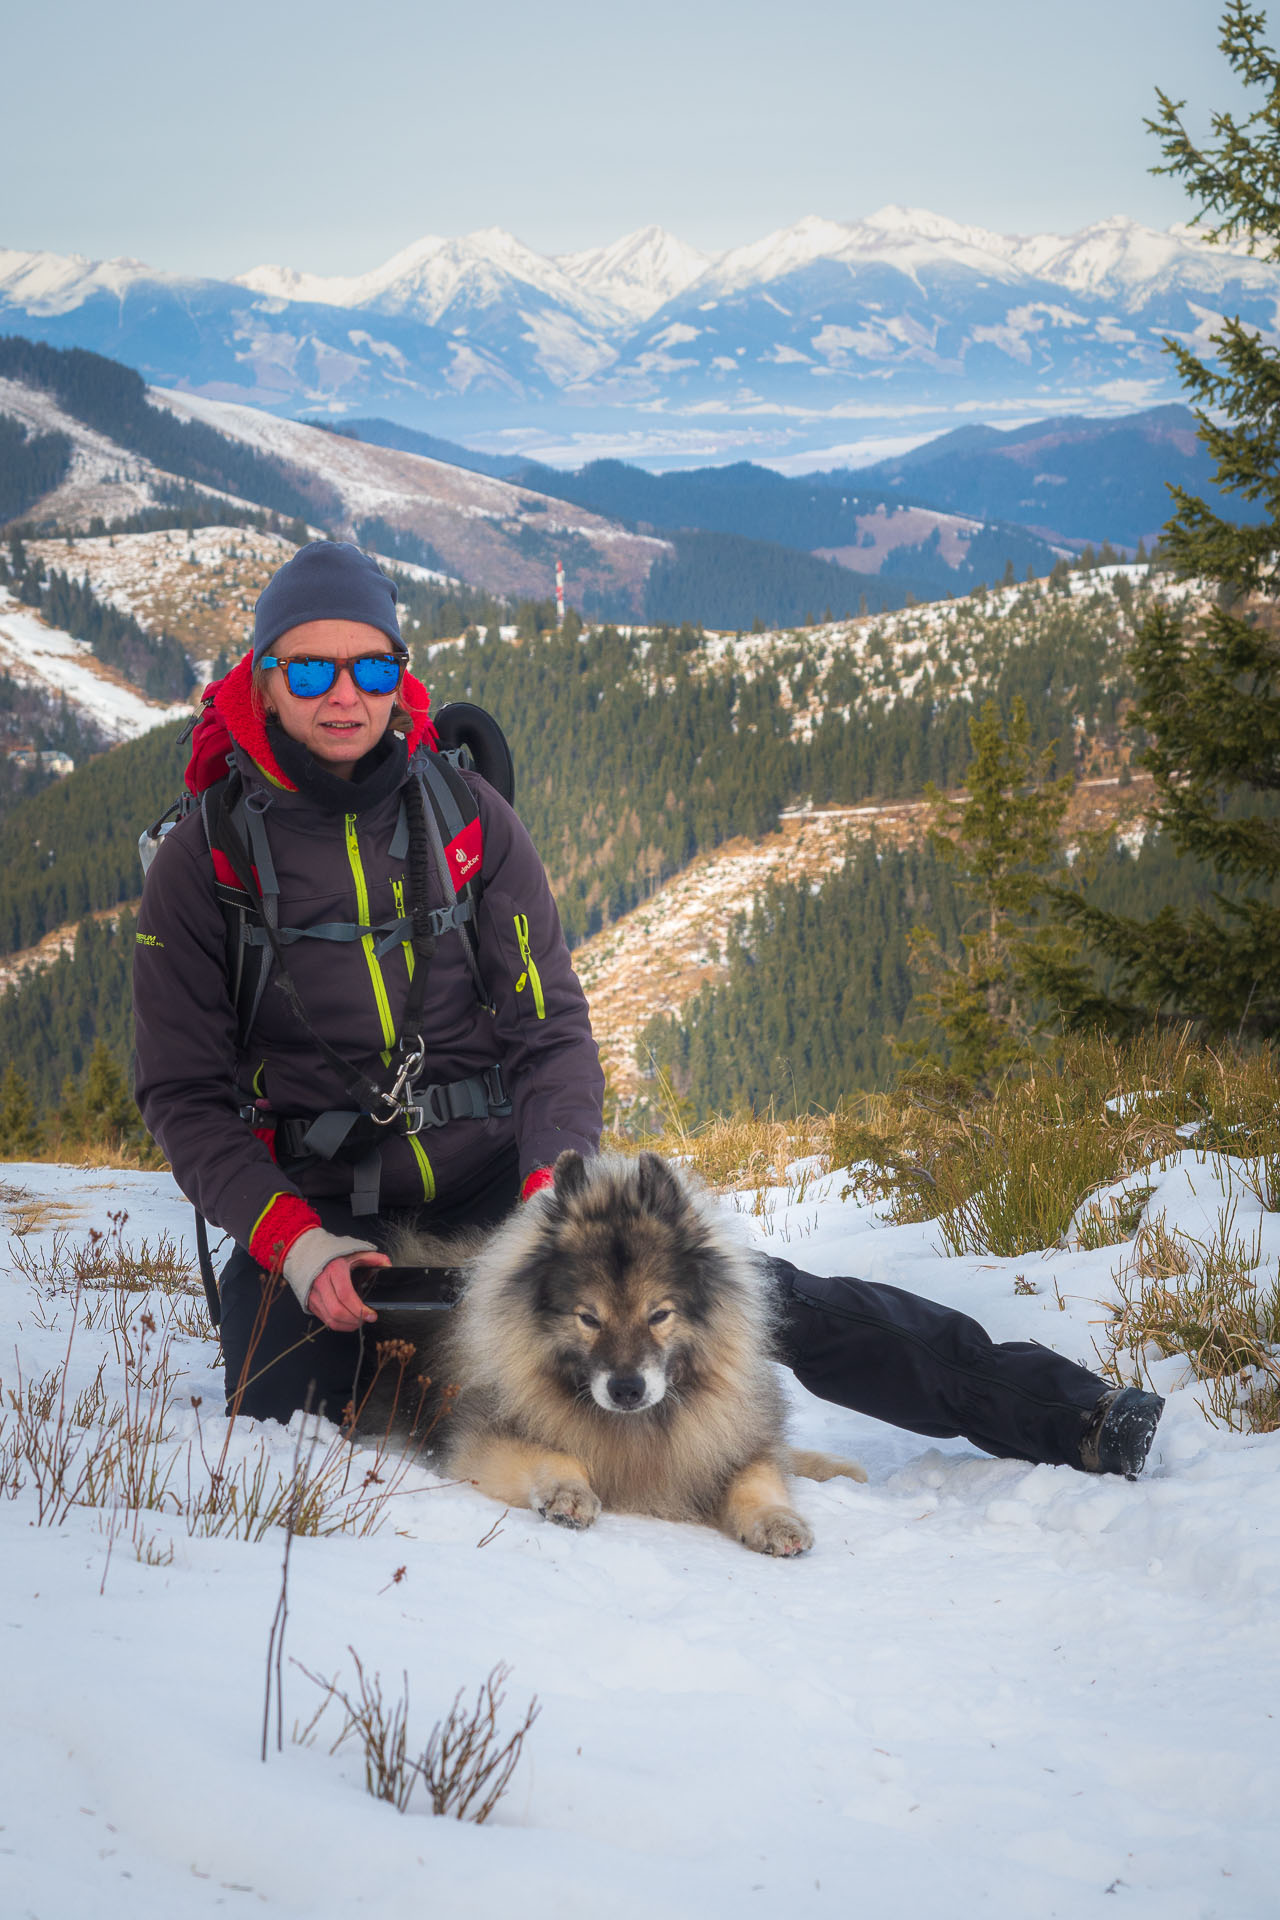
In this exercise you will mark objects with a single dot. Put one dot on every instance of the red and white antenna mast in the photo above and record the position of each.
(559, 593)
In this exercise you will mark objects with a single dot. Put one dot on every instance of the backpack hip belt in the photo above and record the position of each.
(341, 1133)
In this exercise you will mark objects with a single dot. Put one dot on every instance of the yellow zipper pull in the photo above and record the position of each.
(530, 976)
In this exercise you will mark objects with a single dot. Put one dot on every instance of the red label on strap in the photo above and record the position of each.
(465, 852)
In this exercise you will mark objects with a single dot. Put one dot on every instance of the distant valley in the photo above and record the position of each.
(90, 448)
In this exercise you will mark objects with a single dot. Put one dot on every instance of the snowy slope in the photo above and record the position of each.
(991, 1688)
(435, 279)
(450, 283)
(54, 283)
(480, 526)
(37, 655)
(199, 586)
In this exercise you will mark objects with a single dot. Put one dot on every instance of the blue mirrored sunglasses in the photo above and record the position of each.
(308, 678)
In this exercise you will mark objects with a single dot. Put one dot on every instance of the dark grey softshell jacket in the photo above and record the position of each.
(193, 1077)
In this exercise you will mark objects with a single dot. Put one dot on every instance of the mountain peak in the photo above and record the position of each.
(639, 273)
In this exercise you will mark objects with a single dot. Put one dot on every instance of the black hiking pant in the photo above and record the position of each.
(931, 1369)
(876, 1349)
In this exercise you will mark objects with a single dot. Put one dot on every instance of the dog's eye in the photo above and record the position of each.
(656, 1319)
(588, 1320)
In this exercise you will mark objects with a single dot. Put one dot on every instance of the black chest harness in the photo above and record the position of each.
(436, 808)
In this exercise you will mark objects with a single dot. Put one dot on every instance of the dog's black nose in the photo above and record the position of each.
(626, 1390)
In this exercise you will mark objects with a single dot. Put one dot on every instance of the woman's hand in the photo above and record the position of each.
(318, 1267)
(333, 1297)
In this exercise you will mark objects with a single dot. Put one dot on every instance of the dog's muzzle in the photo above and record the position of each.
(629, 1392)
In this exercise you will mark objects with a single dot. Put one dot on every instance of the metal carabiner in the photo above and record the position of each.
(397, 1101)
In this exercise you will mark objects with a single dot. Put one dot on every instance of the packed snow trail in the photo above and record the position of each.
(991, 1688)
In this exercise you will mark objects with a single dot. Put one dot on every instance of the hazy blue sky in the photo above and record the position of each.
(327, 136)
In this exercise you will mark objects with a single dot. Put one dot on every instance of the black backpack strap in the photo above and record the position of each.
(213, 1299)
(451, 807)
(223, 811)
(236, 829)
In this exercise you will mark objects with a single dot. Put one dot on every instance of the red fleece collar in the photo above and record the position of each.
(230, 718)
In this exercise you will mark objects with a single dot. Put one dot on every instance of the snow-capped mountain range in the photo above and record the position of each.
(904, 317)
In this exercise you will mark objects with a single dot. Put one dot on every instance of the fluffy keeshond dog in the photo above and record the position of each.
(613, 1347)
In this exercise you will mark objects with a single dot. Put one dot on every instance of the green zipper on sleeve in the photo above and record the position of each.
(530, 977)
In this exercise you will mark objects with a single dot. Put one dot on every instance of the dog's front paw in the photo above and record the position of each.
(777, 1530)
(569, 1503)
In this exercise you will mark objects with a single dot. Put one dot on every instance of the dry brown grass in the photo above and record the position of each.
(28, 1213)
(1028, 1167)
(67, 1448)
(1007, 1172)
(1209, 1302)
(465, 1767)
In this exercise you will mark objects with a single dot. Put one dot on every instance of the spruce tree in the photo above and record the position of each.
(107, 1105)
(1002, 839)
(100, 1112)
(21, 1136)
(1208, 686)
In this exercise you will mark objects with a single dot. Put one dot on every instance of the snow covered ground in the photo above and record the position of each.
(38, 655)
(990, 1689)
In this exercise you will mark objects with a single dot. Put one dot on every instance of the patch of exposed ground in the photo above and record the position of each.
(102, 479)
(656, 957)
(198, 586)
(59, 940)
(26, 1213)
(880, 532)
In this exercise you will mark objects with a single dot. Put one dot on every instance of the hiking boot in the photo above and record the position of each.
(1120, 1430)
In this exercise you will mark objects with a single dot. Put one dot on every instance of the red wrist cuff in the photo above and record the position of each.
(535, 1182)
(284, 1220)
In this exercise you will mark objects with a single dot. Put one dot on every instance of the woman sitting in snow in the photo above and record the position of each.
(305, 1128)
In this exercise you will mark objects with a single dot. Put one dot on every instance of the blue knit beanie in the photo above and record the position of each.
(325, 580)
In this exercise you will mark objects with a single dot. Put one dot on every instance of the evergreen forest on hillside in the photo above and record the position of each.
(743, 535)
(72, 849)
(34, 717)
(113, 399)
(52, 1022)
(818, 986)
(634, 752)
(721, 580)
(31, 464)
(819, 983)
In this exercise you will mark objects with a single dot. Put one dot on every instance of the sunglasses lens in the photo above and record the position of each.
(372, 673)
(376, 672)
(308, 679)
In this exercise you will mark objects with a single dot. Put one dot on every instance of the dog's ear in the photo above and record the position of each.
(660, 1192)
(570, 1174)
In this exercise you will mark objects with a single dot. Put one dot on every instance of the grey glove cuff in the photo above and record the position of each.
(311, 1253)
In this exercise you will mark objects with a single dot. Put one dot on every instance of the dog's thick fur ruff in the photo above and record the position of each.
(612, 1347)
